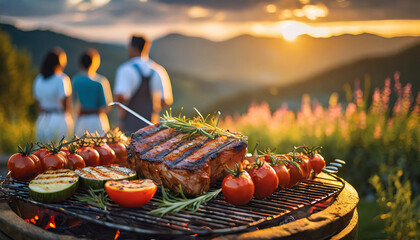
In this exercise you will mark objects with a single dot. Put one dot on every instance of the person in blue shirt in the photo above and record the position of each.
(89, 96)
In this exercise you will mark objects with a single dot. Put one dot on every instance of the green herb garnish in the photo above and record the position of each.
(206, 126)
(173, 203)
(97, 198)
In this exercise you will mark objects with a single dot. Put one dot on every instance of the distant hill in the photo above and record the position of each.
(269, 60)
(322, 85)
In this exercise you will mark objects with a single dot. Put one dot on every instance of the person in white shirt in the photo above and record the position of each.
(141, 84)
(52, 90)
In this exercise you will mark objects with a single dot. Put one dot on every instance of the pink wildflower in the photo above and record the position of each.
(377, 132)
(350, 110)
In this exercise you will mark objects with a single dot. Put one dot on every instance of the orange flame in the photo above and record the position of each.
(117, 234)
(51, 223)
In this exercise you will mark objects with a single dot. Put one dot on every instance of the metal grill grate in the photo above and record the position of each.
(214, 217)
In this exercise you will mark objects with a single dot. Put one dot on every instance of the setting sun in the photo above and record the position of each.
(290, 30)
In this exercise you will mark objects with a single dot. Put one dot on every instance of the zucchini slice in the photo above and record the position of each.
(95, 177)
(53, 185)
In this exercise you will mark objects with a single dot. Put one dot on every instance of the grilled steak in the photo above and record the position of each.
(173, 158)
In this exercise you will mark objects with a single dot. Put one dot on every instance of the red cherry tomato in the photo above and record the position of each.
(238, 188)
(23, 168)
(304, 165)
(37, 162)
(282, 174)
(65, 152)
(40, 153)
(106, 154)
(295, 173)
(120, 153)
(76, 161)
(90, 155)
(53, 161)
(264, 178)
(317, 163)
(131, 193)
(64, 155)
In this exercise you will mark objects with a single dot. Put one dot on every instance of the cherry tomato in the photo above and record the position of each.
(65, 152)
(106, 154)
(90, 155)
(53, 161)
(37, 162)
(76, 161)
(64, 155)
(304, 165)
(295, 173)
(131, 193)
(264, 178)
(317, 163)
(238, 187)
(282, 174)
(120, 153)
(40, 153)
(23, 168)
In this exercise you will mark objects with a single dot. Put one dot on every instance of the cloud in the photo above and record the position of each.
(31, 8)
(203, 10)
(230, 5)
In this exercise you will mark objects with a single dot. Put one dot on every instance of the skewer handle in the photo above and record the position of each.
(130, 111)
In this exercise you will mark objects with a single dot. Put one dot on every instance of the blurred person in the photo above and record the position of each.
(90, 95)
(52, 90)
(141, 84)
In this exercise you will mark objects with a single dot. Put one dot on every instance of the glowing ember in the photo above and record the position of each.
(117, 234)
(51, 222)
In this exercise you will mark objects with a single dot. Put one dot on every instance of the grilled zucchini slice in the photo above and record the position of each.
(53, 185)
(95, 177)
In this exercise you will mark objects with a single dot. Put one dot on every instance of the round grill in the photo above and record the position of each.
(213, 218)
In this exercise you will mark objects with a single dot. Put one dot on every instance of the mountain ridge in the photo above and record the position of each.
(245, 55)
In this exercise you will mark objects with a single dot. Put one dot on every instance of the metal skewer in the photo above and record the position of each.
(130, 111)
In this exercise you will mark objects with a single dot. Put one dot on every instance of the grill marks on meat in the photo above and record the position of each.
(172, 158)
(202, 154)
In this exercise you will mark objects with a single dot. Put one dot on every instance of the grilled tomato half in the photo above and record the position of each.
(131, 193)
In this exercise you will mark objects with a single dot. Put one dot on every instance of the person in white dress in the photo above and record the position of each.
(52, 91)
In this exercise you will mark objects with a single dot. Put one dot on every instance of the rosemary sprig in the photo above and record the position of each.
(97, 198)
(171, 203)
(206, 126)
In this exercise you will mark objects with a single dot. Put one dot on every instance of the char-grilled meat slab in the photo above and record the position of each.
(172, 158)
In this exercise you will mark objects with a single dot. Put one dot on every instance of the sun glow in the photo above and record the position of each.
(312, 12)
(292, 29)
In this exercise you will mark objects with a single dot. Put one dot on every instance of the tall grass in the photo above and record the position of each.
(376, 135)
(363, 136)
(15, 132)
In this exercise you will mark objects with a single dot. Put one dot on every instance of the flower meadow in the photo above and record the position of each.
(377, 134)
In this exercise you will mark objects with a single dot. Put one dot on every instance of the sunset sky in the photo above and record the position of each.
(115, 20)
